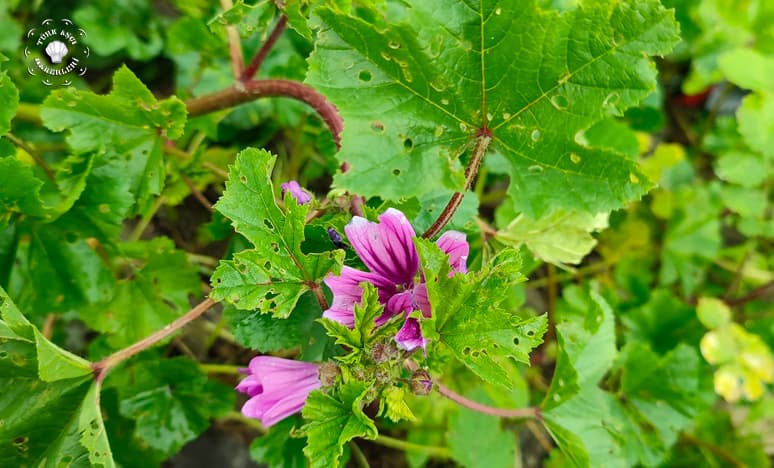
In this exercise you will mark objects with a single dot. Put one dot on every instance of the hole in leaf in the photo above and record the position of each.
(408, 144)
(364, 75)
(466, 351)
(243, 179)
(268, 224)
(267, 265)
(531, 333)
(377, 126)
(396, 172)
(516, 340)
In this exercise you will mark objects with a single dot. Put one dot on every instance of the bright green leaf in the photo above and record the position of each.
(334, 420)
(129, 122)
(560, 237)
(272, 276)
(467, 317)
(277, 448)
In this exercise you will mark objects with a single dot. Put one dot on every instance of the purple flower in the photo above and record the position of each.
(301, 195)
(387, 250)
(277, 387)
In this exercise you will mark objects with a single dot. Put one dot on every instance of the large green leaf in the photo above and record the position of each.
(128, 125)
(171, 402)
(468, 318)
(417, 93)
(9, 102)
(334, 420)
(273, 275)
(49, 403)
(155, 291)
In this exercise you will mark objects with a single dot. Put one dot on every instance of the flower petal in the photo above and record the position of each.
(347, 292)
(301, 195)
(386, 247)
(420, 300)
(455, 245)
(410, 337)
(400, 303)
(284, 385)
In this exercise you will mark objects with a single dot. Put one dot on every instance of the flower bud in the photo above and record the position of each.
(329, 372)
(421, 382)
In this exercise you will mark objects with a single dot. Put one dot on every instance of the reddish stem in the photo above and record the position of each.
(470, 173)
(531, 413)
(256, 62)
(102, 367)
(253, 89)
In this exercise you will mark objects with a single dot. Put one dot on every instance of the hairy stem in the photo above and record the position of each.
(470, 173)
(256, 62)
(102, 367)
(531, 413)
(234, 44)
(433, 451)
(254, 89)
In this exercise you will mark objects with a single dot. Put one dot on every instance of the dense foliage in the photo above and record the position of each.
(525, 233)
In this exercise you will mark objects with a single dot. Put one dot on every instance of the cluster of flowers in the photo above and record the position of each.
(279, 387)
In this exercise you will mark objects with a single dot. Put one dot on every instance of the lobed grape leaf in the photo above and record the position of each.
(417, 94)
(468, 318)
(49, 404)
(128, 125)
(9, 102)
(275, 273)
(334, 420)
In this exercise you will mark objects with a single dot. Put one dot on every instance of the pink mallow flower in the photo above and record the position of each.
(277, 387)
(301, 195)
(387, 250)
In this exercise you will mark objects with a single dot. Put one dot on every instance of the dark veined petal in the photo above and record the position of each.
(386, 247)
(455, 245)
(410, 337)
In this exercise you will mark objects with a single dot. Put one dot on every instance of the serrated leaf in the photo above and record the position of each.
(19, 190)
(49, 400)
(272, 276)
(9, 102)
(248, 19)
(165, 399)
(560, 237)
(154, 293)
(334, 420)
(467, 317)
(129, 122)
(393, 405)
(264, 333)
(446, 72)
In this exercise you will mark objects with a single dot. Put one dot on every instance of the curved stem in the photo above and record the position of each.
(433, 451)
(470, 173)
(256, 62)
(253, 89)
(532, 413)
(102, 367)
(234, 44)
(220, 368)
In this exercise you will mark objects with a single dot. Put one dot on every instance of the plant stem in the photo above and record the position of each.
(102, 367)
(220, 368)
(139, 228)
(253, 89)
(234, 44)
(358, 455)
(28, 113)
(35, 156)
(756, 293)
(256, 62)
(470, 173)
(250, 422)
(532, 413)
(197, 193)
(433, 451)
(719, 451)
